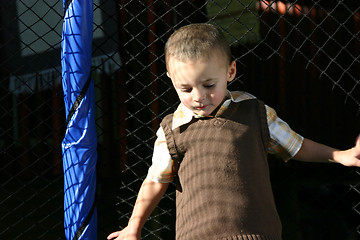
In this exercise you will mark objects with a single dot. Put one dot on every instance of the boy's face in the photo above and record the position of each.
(201, 85)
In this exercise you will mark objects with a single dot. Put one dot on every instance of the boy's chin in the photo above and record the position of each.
(202, 113)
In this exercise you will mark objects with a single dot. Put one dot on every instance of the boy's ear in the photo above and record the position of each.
(167, 73)
(232, 71)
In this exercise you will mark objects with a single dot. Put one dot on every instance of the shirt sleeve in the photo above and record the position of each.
(162, 164)
(283, 140)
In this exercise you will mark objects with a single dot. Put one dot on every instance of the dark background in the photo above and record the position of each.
(302, 61)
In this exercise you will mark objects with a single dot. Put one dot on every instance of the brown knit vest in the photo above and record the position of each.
(224, 189)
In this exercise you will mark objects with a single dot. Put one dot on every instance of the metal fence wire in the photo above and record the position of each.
(301, 57)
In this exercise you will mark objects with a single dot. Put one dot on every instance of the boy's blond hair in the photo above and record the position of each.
(196, 41)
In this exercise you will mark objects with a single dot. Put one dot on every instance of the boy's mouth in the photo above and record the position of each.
(200, 107)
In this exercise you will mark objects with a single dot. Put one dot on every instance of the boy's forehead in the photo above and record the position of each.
(172, 61)
(178, 68)
(195, 71)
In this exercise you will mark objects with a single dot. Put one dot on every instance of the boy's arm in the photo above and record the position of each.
(311, 151)
(150, 194)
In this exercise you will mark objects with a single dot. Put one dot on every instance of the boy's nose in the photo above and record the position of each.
(197, 95)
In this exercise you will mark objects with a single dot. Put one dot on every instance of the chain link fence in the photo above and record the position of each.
(300, 57)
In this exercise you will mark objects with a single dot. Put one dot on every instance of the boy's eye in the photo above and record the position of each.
(186, 90)
(209, 86)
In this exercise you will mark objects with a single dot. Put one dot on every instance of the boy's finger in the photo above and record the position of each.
(357, 143)
(113, 235)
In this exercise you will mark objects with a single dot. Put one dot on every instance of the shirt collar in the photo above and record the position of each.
(183, 115)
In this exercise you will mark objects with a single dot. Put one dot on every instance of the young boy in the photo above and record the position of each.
(215, 147)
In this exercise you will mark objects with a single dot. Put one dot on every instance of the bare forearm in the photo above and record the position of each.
(315, 152)
(311, 151)
(149, 196)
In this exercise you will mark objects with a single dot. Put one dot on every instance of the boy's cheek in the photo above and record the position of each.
(180, 95)
(185, 100)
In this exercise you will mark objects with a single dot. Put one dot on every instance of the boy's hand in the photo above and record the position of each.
(125, 234)
(350, 157)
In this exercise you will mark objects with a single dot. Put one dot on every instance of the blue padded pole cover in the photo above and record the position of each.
(79, 144)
